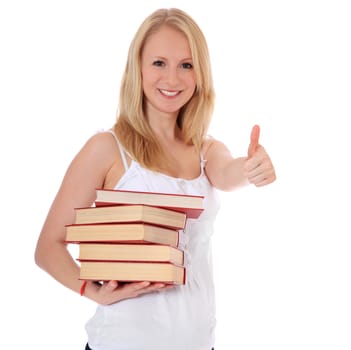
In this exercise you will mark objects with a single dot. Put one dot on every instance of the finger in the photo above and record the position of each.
(136, 289)
(168, 286)
(265, 181)
(154, 287)
(261, 177)
(138, 285)
(253, 163)
(131, 289)
(254, 140)
(111, 285)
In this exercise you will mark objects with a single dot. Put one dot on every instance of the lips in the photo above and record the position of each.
(169, 93)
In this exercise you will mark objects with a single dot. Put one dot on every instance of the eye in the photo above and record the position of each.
(187, 65)
(158, 63)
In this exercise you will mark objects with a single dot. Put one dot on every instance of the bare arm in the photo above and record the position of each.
(87, 171)
(227, 173)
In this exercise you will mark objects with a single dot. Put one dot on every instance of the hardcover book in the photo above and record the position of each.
(192, 205)
(132, 271)
(130, 252)
(122, 233)
(131, 213)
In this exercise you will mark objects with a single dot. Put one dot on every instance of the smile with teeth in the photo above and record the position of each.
(169, 93)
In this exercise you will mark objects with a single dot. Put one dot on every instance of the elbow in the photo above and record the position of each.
(38, 256)
(42, 254)
(47, 252)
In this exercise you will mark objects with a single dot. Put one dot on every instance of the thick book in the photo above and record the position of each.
(132, 271)
(131, 213)
(122, 233)
(192, 205)
(130, 252)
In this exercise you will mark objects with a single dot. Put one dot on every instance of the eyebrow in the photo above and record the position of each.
(164, 58)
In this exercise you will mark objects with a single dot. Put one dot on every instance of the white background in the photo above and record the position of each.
(282, 253)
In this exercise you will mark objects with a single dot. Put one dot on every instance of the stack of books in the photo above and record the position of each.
(133, 236)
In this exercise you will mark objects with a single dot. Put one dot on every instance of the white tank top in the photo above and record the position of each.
(182, 318)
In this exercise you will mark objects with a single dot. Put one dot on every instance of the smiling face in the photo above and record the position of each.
(168, 77)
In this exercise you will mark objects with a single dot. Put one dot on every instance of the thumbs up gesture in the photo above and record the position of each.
(259, 167)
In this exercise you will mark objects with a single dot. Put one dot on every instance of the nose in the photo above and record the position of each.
(171, 76)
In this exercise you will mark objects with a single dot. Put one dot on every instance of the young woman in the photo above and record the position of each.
(159, 143)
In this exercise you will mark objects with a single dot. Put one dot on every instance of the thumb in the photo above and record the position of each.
(254, 139)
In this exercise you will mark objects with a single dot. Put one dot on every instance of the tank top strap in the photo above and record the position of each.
(121, 150)
(203, 150)
(202, 163)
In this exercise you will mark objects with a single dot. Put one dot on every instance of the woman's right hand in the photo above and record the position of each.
(111, 292)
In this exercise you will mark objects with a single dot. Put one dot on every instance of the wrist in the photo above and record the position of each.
(89, 289)
(82, 288)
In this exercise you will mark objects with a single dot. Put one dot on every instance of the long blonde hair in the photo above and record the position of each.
(132, 128)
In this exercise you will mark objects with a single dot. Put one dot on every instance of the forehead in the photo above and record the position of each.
(167, 41)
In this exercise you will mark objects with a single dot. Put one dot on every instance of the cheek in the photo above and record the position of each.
(147, 84)
(191, 81)
(148, 77)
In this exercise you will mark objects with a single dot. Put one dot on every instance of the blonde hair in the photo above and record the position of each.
(132, 127)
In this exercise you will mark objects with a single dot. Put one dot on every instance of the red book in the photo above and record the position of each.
(191, 205)
(132, 271)
(134, 233)
(131, 214)
(130, 252)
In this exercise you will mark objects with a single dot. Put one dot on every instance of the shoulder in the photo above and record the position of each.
(102, 143)
(102, 140)
(211, 146)
(102, 154)
(99, 151)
